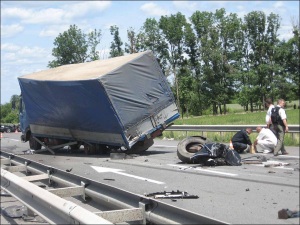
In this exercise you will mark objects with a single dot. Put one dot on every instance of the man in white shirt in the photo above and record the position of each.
(266, 140)
(270, 106)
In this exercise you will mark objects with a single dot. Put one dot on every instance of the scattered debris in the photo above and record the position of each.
(286, 213)
(270, 171)
(117, 155)
(69, 170)
(247, 189)
(15, 211)
(172, 195)
(4, 193)
(109, 179)
(274, 164)
(129, 156)
(29, 151)
(254, 159)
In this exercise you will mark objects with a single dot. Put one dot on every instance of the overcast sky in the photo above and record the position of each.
(28, 28)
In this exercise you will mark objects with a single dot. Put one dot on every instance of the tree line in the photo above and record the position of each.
(214, 58)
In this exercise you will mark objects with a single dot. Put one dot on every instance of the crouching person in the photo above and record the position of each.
(266, 140)
(241, 141)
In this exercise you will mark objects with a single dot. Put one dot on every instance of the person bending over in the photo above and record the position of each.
(241, 141)
(266, 140)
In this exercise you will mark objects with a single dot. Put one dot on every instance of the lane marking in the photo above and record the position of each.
(13, 139)
(164, 146)
(205, 170)
(118, 171)
(273, 163)
(289, 156)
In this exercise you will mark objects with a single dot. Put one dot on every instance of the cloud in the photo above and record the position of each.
(19, 55)
(54, 15)
(278, 5)
(153, 9)
(185, 5)
(53, 30)
(11, 30)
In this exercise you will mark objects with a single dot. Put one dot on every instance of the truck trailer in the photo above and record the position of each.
(119, 103)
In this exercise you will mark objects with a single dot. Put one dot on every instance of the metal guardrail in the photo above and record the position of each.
(155, 211)
(223, 128)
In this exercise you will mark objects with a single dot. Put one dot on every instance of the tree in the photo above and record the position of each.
(173, 32)
(71, 47)
(152, 39)
(94, 38)
(15, 102)
(116, 44)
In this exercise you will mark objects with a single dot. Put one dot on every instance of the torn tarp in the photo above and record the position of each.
(216, 154)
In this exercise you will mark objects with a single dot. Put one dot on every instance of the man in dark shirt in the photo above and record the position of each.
(241, 141)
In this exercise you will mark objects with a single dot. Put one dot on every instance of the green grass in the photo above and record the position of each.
(248, 118)
(244, 118)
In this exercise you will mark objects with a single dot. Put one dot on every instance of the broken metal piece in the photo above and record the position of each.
(173, 194)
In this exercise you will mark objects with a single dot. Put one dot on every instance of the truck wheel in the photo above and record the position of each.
(140, 146)
(189, 146)
(75, 147)
(33, 144)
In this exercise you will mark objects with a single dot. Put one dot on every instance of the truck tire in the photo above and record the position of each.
(140, 146)
(187, 147)
(33, 144)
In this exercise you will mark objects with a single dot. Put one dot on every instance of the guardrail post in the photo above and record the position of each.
(142, 205)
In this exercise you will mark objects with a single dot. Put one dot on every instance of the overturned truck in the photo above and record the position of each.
(120, 103)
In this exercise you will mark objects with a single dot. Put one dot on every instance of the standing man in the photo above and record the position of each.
(241, 141)
(266, 140)
(279, 124)
(270, 106)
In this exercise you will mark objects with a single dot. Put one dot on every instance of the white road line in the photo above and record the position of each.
(13, 139)
(164, 146)
(118, 171)
(289, 156)
(205, 170)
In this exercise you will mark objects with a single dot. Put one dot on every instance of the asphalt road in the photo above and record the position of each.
(246, 194)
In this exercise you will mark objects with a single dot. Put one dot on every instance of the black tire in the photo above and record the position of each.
(189, 146)
(33, 144)
(140, 146)
(8, 130)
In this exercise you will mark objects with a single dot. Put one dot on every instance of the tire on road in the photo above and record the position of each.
(33, 144)
(187, 147)
(140, 146)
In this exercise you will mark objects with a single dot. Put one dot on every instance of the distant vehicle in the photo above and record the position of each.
(7, 129)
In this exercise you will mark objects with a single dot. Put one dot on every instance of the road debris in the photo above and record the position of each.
(274, 164)
(172, 195)
(254, 159)
(30, 152)
(69, 170)
(286, 213)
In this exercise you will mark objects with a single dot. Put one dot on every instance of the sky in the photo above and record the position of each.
(29, 28)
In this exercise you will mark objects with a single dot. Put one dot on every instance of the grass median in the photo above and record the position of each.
(246, 118)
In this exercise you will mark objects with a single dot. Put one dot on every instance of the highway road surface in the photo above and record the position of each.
(246, 194)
